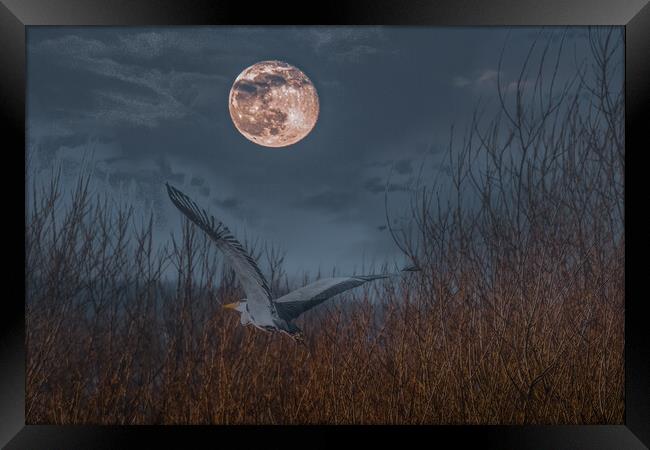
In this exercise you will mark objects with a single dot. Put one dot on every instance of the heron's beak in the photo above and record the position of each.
(231, 305)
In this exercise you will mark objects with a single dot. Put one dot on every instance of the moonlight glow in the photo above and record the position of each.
(273, 104)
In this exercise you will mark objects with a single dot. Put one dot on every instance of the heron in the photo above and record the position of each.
(259, 308)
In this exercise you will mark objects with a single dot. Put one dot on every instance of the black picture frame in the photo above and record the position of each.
(16, 15)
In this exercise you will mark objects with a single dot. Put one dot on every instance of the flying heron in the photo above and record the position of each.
(259, 308)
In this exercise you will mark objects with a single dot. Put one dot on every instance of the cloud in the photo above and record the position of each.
(323, 37)
(374, 185)
(167, 173)
(71, 46)
(479, 79)
(403, 166)
(142, 93)
(347, 45)
(327, 201)
(230, 203)
(522, 85)
(145, 110)
(377, 185)
(460, 81)
(197, 181)
(201, 185)
(355, 54)
(487, 80)
(556, 35)
(147, 45)
(487, 76)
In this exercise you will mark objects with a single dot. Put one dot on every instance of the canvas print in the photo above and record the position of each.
(325, 225)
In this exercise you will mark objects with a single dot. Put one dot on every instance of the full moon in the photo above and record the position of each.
(273, 104)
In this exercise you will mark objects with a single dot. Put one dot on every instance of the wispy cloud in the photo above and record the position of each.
(352, 45)
(522, 85)
(404, 166)
(487, 76)
(460, 81)
(355, 54)
(156, 94)
(229, 203)
(329, 200)
(486, 80)
(377, 185)
(478, 80)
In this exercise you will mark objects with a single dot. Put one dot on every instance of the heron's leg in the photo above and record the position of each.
(299, 337)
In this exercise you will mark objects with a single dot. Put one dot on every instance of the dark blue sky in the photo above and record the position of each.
(149, 105)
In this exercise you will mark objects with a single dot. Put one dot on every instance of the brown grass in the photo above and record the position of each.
(517, 316)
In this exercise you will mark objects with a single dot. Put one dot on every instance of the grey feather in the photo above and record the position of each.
(251, 278)
(305, 298)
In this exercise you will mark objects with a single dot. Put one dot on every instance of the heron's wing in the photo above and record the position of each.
(245, 267)
(297, 302)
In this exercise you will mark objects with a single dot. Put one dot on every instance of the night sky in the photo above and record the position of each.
(142, 106)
